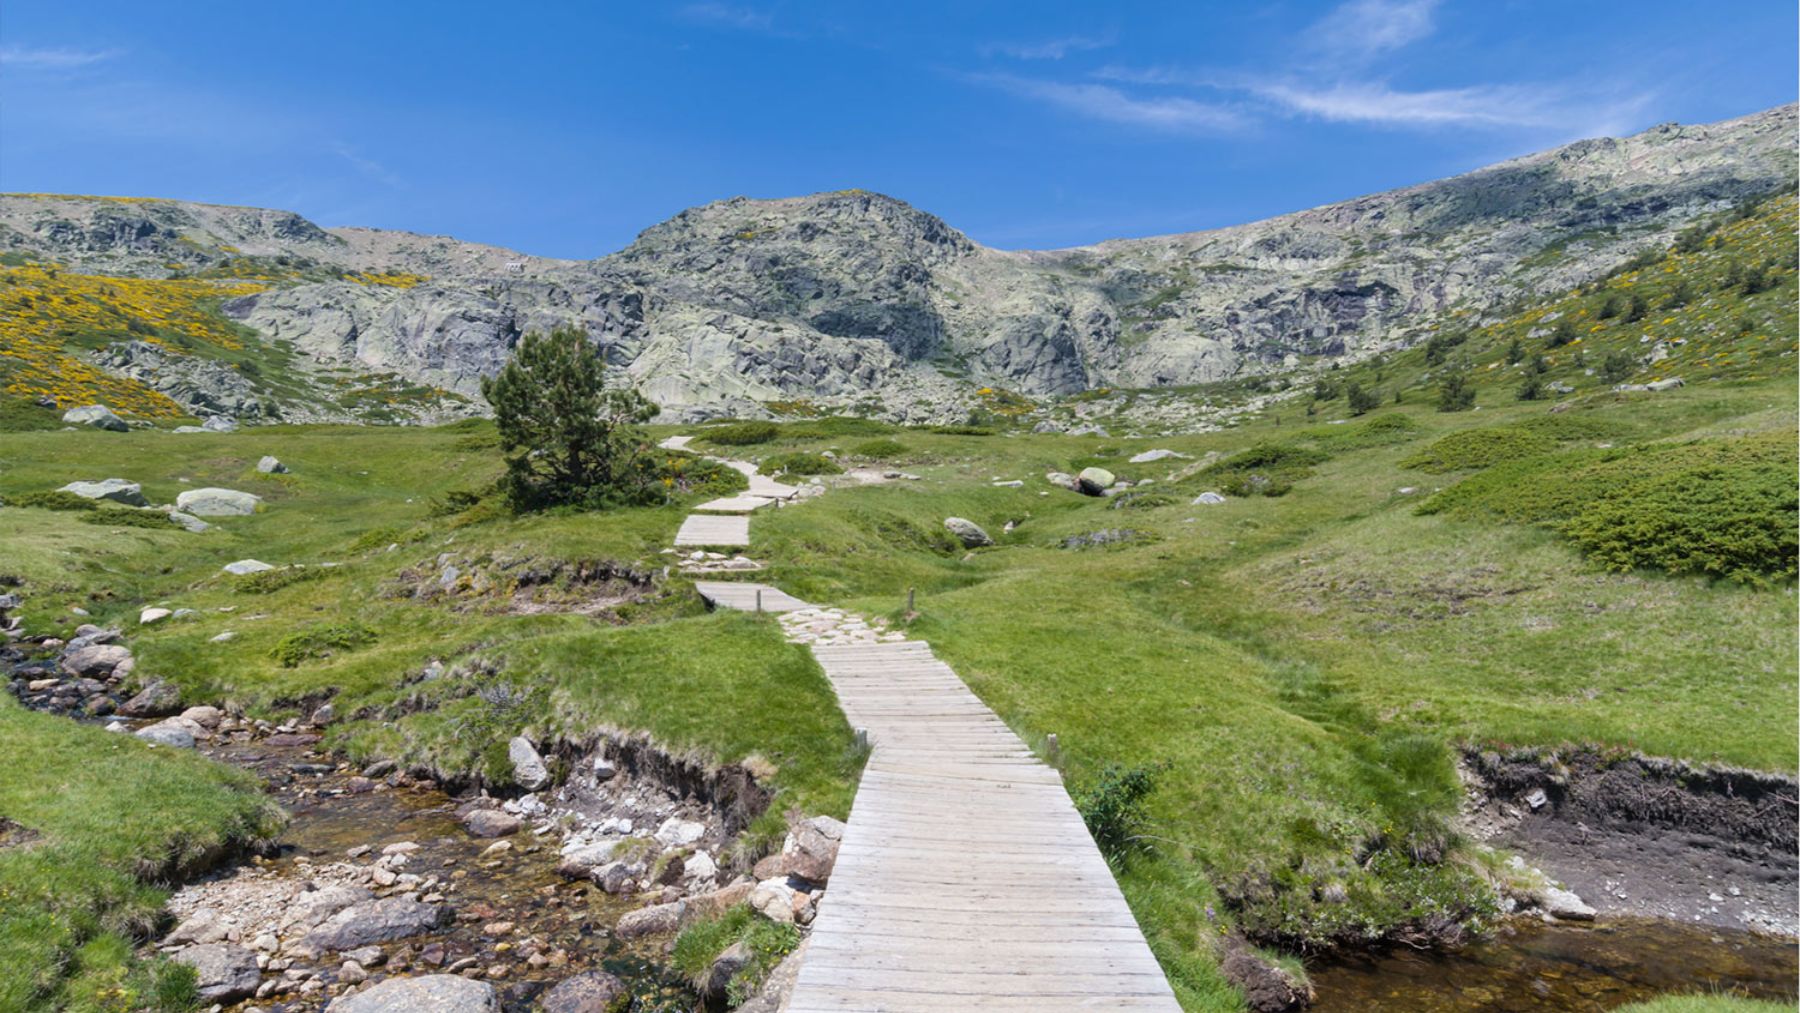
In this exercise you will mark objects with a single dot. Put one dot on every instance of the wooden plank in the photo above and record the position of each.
(742, 596)
(742, 504)
(705, 530)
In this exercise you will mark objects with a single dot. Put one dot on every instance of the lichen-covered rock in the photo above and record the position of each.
(115, 490)
(439, 993)
(97, 416)
(217, 502)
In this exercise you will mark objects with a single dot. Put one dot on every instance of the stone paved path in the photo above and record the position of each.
(966, 879)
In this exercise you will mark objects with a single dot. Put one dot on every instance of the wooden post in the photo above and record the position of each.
(759, 601)
(862, 738)
(1054, 750)
(910, 592)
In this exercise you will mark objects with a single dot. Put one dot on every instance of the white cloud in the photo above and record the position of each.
(38, 58)
(1363, 29)
(1052, 49)
(367, 166)
(726, 16)
(1169, 114)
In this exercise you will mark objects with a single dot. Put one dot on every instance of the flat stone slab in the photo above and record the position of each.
(707, 529)
(741, 595)
(735, 504)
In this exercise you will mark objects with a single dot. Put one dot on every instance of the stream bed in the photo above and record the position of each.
(1533, 966)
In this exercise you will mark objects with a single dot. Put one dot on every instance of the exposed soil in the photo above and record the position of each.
(523, 585)
(1644, 837)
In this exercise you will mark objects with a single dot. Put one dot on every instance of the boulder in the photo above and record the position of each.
(376, 921)
(205, 717)
(212, 502)
(168, 733)
(439, 993)
(585, 861)
(1061, 478)
(587, 992)
(225, 972)
(1670, 384)
(115, 490)
(189, 521)
(311, 907)
(1151, 456)
(98, 416)
(156, 699)
(967, 532)
(220, 424)
(527, 766)
(676, 832)
(1208, 499)
(151, 615)
(725, 967)
(1095, 481)
(774, 900)
(490, 823)
(655, 920)
(271, 466)
(245, 566)
(95, 661)
(1566, 906)
(700, 866)
(810, 854)
(1047, 426)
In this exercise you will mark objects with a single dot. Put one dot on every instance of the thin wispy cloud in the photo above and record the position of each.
(367, 166)
(1364, 29)
(52, 58)
(1050, 49)
(722, 15)
(1163, 113)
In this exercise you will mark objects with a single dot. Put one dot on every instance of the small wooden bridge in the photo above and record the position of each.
(966, 880)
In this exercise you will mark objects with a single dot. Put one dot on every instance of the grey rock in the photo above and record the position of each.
(312, 907)
(438, 993)
(189, 521)
(587, 992)
(490, 823)
(94, 660)
(97, 416)
(1208, 498)
(220, 424)
(655, 920)
(1095, 481)
(217, 502)
(246, 566)
(1670, 384)
(116, 490)
(969, 533)
(1150, 456)
(726, 966)
(676, 832)
(1565, 905)
(585, 861)
(158, 697)
(528, 767)
(167, 733)
(376, 921)
(204, 386)
(270, 466)
(226, 972)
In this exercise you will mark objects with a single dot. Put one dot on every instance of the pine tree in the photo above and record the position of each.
(1361, 401)
(567, 439)
(1454, 392)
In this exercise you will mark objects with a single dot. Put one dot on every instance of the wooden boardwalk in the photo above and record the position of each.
(966, 879)
(741, 595)
(742, 503)
(707, 529)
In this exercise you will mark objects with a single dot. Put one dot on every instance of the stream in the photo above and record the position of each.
(1533, 966)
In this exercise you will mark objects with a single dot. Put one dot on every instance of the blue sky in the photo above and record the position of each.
(562, 129)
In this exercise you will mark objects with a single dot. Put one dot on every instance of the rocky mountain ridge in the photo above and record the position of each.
(857, 299)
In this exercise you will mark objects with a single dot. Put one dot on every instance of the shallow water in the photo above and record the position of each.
(521, 886)
(1532, 966)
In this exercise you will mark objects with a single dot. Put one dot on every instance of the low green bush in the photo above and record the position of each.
(879, 449)
(838, 425)
(801, 463)
(1264, 469)
(270, 581)
(963, 430)
(1480, 448)
(701, 943)
(1113, 808)
(54, 499)
(320, 642)
(740, 434)
(1724, 508)
(155, 520)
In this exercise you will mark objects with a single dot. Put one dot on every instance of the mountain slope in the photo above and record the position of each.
(855, 298)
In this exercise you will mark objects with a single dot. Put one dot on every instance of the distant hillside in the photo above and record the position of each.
(847, 299)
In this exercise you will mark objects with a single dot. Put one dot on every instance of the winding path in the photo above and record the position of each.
(966, 879)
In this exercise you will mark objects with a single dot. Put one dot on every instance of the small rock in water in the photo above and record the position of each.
(1565, 905)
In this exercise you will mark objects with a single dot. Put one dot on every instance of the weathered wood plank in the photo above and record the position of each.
(742, 596)
(707, 530)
